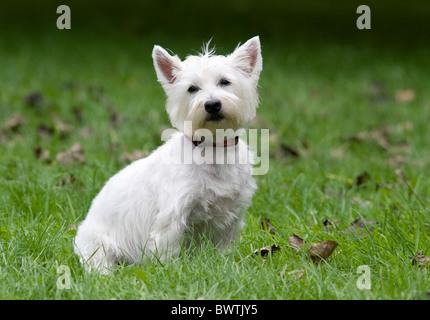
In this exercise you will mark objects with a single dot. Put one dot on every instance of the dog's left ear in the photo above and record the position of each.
(247, 57)
(165, 65)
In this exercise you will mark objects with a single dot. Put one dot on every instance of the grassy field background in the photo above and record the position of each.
(348, 113)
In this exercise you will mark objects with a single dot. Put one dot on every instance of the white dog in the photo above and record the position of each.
(155, 206)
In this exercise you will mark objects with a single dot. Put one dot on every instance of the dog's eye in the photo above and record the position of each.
(224, 82)
(193, 89)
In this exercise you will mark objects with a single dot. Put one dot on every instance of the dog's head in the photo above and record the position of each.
(212, 91)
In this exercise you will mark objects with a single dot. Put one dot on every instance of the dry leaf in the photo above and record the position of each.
(75, 155)
(71, 230)
(135, 155)
(14, 123)
(86, 132)
(329, 226)
(401, 177)
(360, 224)
(33, 99)
(357, 200)
(289, 150)
(397, 160)
(113, 114)
(77, 112)
(45, 130)
(338, 153)
(317, 251)
(363, 178)
(63, 128)
(421, 260)
(298, 274)
(43, 154)
(378, 93)
(36, 100)
(115, 118)
(266, 224)
(380, 136)
(406, 95)
(69, 179)
(267, 250)
(321, 250)
(296, 243)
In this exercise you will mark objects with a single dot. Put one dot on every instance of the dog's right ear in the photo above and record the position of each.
(247, 57)
(165, 65)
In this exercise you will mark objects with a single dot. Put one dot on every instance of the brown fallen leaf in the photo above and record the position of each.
(379, 136)
(77, 112)
(37, 101)
(362, 178)
(280, 150)
(75, 155)
(329, 226)
(401, 177)
(86, 132)
(321, 250)
(69, 179)
(289, 151)
(296, 243)
(71, 230)
(33, 99)
(45, 130)
(397, 160)
(328, 191)
(298, 274)
(405, 95)
(135, 155)
(421, 260)
(115, 118)
(378, 93)
(266, 224)
(64, 129)
(13, 123)
(338, 153)
(113, 114)
(360, 224)
(317, 251)
(362, 203)
(265, 251)
(43, 154)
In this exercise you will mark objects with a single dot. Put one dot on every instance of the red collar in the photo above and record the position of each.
(226, 143)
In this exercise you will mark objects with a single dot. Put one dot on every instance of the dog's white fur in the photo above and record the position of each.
(154, 207)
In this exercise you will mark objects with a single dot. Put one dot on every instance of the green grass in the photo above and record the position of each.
(312, 98)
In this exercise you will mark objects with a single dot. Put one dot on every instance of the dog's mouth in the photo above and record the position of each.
(214, 118)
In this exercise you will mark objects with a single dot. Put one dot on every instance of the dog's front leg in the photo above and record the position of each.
(167, 233)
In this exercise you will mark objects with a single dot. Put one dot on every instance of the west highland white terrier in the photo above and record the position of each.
(156, 206)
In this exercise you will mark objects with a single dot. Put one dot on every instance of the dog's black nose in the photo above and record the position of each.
(213, 106)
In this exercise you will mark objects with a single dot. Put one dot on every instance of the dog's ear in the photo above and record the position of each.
(165, 65)
(247, 57)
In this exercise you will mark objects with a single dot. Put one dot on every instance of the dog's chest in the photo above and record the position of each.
(220, 196)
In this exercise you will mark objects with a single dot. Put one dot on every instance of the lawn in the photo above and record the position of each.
(349, 142)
